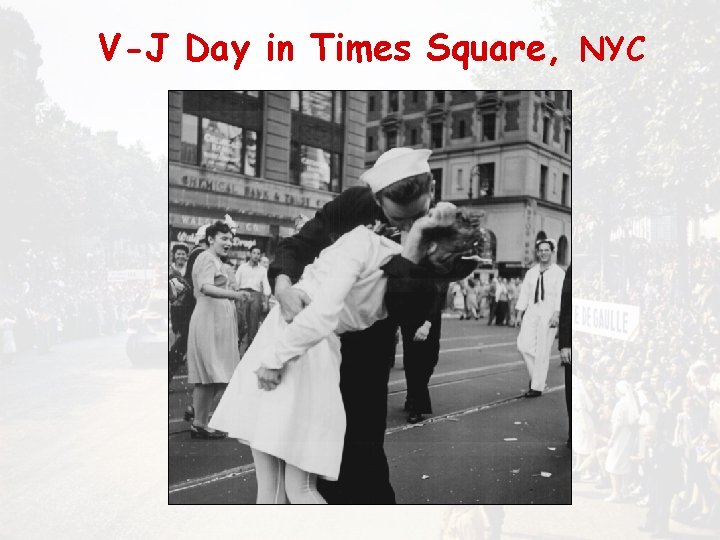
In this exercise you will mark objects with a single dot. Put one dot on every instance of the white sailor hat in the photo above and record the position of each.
(394, 165)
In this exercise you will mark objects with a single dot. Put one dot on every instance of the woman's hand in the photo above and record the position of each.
(443, 214)
(268, 379)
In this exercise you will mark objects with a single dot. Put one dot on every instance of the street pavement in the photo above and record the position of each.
(85, 455)
(484, 444)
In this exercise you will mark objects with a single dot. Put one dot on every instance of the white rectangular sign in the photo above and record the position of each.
(619, 321)
(114, 276)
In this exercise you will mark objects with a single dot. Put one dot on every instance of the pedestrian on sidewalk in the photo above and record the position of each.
(284, 398)
(501, 302)
(471, 299)
(252, 280)
(491, 301)
(458, 298)
(538, 314)
(182, 302)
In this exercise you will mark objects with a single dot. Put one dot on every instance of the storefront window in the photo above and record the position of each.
(315, 171)
(315, 168)
(221, 146)
(189, 139)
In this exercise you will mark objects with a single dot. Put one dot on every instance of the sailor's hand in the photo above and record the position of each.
(292, 300)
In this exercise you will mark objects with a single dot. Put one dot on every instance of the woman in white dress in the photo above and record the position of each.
(296, 430)
(622, 440)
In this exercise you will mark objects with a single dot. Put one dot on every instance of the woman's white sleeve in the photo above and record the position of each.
(346, 259)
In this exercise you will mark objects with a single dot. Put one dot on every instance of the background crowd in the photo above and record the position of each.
(647, 411)
(54, 296)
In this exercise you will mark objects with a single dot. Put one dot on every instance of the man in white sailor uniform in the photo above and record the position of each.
(538, 307)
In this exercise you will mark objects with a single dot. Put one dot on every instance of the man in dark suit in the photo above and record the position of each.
(565, 345)
(399, 191)
(421, 329)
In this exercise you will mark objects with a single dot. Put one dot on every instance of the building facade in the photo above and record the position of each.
(502, 154)
(265, 158)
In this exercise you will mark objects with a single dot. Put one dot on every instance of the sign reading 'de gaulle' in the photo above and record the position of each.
(619, 321)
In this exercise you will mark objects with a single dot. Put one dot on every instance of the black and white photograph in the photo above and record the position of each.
(365, 293)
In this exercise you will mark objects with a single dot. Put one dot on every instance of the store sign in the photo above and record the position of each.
(619, 321)
(194, 222)
(185, 237)
(217, 182)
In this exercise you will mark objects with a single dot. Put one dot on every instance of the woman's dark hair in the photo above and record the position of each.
(462, 238)
(179, 247)
(216, 228)
(408, 189)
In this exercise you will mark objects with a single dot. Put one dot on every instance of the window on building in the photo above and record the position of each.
(566, 189)
(486, 179)
(318, 140)
(390, 139)
(461, 129)
(459, 185)
(436, 135)
(548, 94)
(439, 96)
(543, 182)
(568, 100)
(562, 250)
(567, 141)
(437, 175)
(189, 139)
(488, 127)
(546, 129)
(370, 143)
(371, 104)
(318, 103)
(315, 168)
(250, 153)
(413, 137)
(415, 96)
(228, 148)
(323, 104)
(392, 101)
(221, 146)
(222, 133)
